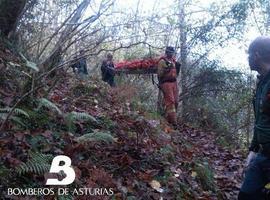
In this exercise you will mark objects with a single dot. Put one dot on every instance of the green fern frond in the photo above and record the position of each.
(15, 119)
(3, 116)
(48, 104)
(17, 111)
(96, 137)
(38, 164)
(33, 167)
(18, 120)
(40, 157)
(81, 116)
(72, 117)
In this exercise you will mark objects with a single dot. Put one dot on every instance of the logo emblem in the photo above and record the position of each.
(57, 168)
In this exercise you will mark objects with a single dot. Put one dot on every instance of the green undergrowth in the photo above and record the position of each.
(205, 176)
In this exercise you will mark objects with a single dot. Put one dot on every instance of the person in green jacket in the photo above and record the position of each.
(257, 174)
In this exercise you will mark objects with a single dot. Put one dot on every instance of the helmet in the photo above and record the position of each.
(169, 50)
(109, 55)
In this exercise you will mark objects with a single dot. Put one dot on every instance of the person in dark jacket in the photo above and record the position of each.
(257, 174)
(80, 66)
(108, 70)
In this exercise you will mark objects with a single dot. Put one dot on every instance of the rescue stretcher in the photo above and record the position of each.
(140, 66)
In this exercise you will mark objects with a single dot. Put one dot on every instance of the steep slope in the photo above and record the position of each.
(115, 143)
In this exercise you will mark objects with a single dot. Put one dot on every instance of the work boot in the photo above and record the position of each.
(171, 118)
(175, 126)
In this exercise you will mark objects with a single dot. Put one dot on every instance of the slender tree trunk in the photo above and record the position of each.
(183, 54)
(42, 29)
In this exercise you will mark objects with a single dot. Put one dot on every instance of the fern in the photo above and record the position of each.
(15, 119)
(3, 116)
(81, 116)
(38, 164)
(16, 111)
(48, 104)
(72, 117)
(18, 120)
(96, 137)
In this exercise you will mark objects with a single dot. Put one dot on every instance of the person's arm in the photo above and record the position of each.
(254, 146)
(111, 69)
(161, 68)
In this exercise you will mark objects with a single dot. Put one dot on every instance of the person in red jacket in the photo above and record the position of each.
(167, 75)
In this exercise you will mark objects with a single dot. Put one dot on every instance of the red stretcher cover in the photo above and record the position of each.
(147, 63)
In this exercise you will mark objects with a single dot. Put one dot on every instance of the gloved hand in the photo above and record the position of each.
(250, 157)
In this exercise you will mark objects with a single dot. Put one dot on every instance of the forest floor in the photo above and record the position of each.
(121, 146)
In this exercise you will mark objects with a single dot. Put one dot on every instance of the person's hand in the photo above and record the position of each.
(250, 157)
(117, 72)
(113, 71)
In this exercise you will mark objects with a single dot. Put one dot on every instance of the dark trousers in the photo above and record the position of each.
(110, 81)
(257, 176)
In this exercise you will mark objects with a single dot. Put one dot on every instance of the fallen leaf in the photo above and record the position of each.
(156, 186)
(194, 174)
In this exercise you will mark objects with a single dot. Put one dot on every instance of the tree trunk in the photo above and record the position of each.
(183, 54)
(10, 13)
